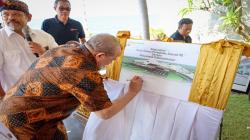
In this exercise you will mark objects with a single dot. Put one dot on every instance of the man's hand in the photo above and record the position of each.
(118, 104)
(36, 48)
(135, 85)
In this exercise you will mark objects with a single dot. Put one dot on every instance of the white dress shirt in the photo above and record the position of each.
(16, 55)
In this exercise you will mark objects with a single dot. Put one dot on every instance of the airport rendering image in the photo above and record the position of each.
(169, 71)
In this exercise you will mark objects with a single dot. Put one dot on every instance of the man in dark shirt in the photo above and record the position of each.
(61, 27)
(184, 28)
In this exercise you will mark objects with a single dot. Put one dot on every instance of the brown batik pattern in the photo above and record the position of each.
(54, 86)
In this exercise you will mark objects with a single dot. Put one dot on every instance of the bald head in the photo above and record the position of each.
(105, 43)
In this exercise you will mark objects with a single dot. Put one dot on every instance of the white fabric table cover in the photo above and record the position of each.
(154, 117)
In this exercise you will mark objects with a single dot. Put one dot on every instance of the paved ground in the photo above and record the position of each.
(75, 126)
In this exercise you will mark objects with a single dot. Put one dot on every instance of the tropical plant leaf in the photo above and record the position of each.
(248, 39)
(227, 2)
(185, 11)
(190, 3)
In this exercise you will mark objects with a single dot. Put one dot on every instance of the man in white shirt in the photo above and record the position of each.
(17, 50)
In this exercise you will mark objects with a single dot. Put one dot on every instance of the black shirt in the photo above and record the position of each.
(72, 30)
(178, 36)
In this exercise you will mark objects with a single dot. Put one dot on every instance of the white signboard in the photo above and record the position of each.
(167, 68)
(242, 76)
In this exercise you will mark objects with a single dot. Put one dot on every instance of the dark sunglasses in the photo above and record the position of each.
(64, 8)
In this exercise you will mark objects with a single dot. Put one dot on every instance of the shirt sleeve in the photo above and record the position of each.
(86, 85)
(173, 36)
(81, 31)
(43, 38)
(97, 98)
(51, 41)
(44, 26)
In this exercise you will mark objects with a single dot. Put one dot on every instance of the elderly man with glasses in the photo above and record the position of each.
(61, 27)
(19, 44)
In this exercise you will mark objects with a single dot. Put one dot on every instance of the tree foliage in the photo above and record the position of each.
(157, 34)
(230, 11)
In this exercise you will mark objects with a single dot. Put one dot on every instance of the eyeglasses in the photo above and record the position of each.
(6, 15)
(64, 8)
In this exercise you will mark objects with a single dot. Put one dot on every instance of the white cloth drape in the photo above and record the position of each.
(5, 133)
(154, 117)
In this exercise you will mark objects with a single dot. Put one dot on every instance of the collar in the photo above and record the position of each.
(58, 21)
(87, 52)
(182, 35)
(87, 46)
(179, 33)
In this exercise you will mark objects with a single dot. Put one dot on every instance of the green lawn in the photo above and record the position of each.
(236, 121)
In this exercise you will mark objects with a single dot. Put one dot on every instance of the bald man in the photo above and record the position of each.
(57, 83)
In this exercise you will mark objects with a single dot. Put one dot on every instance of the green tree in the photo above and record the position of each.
(232, 12)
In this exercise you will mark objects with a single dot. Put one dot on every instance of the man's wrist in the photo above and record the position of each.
(132, 93)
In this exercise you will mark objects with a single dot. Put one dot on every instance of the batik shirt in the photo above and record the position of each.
(53, 87)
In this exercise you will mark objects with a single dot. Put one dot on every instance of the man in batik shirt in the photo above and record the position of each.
(57, 83)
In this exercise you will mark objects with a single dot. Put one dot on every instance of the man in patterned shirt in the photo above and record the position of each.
(57, 83)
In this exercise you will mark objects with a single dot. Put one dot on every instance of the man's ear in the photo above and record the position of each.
(29, 17)
(100, 56)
